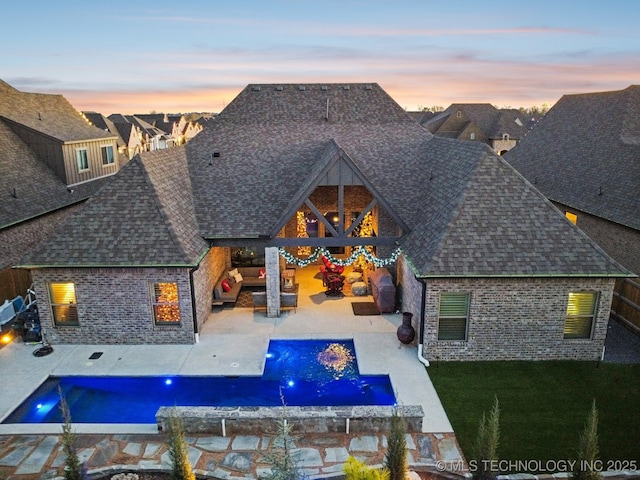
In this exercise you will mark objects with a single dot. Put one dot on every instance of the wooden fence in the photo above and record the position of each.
(626, 303)
(13, 282)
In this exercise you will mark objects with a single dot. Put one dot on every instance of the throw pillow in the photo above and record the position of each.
(237, 277)
(225, 285)
(262, 273)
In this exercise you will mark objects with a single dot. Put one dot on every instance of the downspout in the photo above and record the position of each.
(423, 302)
(193, 303)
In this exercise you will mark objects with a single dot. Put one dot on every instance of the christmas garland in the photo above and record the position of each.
(361, 250)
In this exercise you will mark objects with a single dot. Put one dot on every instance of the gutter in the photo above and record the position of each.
(423, 302)
(194, 311)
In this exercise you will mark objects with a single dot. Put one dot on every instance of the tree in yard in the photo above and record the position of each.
(73, 468)
(485, 450)
(178, 450)
(280, 456)
(396, 457)
(588, 462)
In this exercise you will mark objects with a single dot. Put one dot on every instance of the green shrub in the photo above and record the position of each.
(485, 450)
(396, 457)
(178, 450)
(73, 468)
(279, 457)
(354, 469)
(588, 461)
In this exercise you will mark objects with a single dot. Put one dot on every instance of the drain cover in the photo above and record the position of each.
(235, 364)
(95, 355)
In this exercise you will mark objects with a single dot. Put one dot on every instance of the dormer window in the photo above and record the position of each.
(472, 136)
(82, 159)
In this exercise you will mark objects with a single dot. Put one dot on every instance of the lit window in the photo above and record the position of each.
(166, 309)
(453, 314)
(107, 155)
(472, 136)
(573, 218)
(63, 304)
(81, 157)
(581, 309)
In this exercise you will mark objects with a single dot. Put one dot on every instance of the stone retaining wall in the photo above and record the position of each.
(254, 420)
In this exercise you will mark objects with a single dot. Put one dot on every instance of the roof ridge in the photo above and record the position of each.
(167, 220)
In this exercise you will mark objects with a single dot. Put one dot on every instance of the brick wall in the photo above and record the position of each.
(620, 242)
(204, 280)
(517, 319)
(114, 306)
(510, 319)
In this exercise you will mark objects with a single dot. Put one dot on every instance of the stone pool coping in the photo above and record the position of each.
(244, 420)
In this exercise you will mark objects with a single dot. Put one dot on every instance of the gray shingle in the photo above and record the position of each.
(468, 211)
(584, 145)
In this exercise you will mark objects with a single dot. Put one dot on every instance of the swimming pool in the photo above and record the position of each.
(307, 372)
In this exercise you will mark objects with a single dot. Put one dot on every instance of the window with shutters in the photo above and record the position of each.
(453, 315)
(64, 308)
(166, 309)
(581, 310)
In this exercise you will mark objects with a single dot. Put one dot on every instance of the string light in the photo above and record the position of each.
(360, 251)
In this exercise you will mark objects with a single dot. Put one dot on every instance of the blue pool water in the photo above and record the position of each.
(307, 372)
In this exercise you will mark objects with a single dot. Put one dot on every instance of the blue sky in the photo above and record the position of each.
(196, 55)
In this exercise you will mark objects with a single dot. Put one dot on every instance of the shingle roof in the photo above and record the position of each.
(144, 217)
(51, 115)
(493, 122)
(585, 153)
(38, 190)
(468, 212)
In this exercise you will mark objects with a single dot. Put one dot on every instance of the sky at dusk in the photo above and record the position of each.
(197, 55)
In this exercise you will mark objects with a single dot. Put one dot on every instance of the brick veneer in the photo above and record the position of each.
(622, 243)
(205, 277)
(114, 306)
(510, 318)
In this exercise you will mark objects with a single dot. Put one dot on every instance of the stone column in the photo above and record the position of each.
(272, 263)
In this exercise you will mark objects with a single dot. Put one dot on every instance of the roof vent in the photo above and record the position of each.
(368, 86)
(302, 88)
(324, 87)
(256, 88)
(216, 154)
(14, 194)
(347, 87)
(279, 88)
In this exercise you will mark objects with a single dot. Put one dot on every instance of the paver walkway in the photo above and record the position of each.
(26, 457)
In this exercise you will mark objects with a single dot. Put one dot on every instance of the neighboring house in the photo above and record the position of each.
(178, 127)
(490, 269)
(501, 129)
(124, 146)
(152, 137)
(584, 156)
(184, 130)
(51, 160)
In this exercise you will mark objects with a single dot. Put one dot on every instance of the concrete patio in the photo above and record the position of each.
(233, 341)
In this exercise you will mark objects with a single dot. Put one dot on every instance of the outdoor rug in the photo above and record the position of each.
(365, 308)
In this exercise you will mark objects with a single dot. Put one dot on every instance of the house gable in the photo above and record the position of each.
(336, 169)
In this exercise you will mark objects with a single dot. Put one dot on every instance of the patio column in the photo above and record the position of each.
(272, 264)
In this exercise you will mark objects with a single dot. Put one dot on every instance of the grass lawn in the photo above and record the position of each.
(543, 406)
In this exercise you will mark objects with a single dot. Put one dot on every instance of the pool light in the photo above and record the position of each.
(39, 406)
(168, 381)
(291, 383)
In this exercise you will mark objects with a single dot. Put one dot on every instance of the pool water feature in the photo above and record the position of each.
(298, 372)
